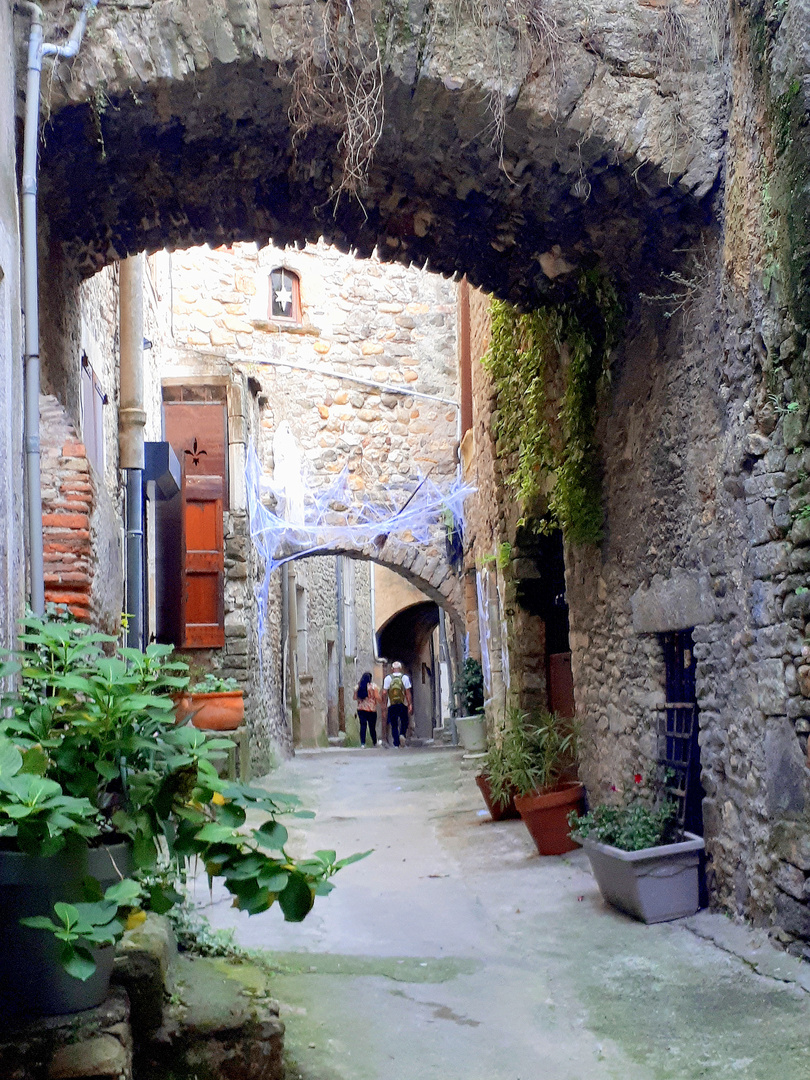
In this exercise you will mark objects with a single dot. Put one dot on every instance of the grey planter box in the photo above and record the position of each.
(655, 884)
(472, 733)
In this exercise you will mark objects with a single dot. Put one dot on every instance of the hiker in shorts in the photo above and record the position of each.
(398, 701)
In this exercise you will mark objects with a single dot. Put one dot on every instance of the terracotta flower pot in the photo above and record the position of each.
(545, 815)
(496, 811)
(222, 711)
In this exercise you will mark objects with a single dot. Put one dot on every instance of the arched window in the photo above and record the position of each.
(285, 295)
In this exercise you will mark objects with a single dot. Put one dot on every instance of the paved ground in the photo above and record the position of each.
(456, 952)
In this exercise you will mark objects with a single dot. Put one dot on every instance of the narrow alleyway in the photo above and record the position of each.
(455, 952)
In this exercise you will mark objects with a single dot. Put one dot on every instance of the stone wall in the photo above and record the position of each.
(12, 571)
(703, 439)
(360, 379)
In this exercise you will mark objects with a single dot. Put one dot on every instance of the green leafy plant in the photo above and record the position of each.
(551, 436)
(470, 686)
(497, 773)
(646, 817)
(89, 752)
(539, 749)
(214, 684)
(630, 828)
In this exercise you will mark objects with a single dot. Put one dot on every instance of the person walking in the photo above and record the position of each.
(398, 701)
(367, 696)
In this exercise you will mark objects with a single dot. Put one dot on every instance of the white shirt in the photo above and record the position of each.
(406, 682)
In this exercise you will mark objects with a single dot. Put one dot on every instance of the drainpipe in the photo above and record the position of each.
(285, 645)
(37, 52)
(444, 654)
(341, 647)
(131, 422)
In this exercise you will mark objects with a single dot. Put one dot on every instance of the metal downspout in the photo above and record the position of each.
(341, 645)
(37, 51)
(131, 422)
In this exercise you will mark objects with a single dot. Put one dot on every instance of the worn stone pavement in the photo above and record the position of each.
(455, 952)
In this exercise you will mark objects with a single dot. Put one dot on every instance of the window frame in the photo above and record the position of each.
(294, 318)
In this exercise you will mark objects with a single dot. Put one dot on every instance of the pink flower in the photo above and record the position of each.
(637, 778)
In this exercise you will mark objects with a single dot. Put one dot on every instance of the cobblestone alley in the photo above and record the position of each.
(454, 951)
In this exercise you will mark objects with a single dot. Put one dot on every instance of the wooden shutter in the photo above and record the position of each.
(198, 434)
(202, 594)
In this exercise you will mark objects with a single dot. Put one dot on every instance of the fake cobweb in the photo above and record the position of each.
(291, 517)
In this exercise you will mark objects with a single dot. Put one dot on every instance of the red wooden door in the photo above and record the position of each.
(561, 684)
(202, 594)
(197, 433)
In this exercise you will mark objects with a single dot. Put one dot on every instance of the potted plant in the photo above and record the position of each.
(103, 802)
(643, 862)
(540, 761)
(212, 704)
(494, 783)
(471, 727)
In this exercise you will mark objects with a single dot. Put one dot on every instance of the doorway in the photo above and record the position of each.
(679, 749)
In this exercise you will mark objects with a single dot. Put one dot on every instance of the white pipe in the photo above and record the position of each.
(37, 50)
(385, 388)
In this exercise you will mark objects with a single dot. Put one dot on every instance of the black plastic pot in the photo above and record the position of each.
(32, 981)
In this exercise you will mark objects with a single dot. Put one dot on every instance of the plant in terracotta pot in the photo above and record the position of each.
(104, 801)
(644, 863)
(494, 783)
(213, 703)
(540, 760)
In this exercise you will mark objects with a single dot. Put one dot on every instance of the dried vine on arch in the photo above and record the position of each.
(338, 78)
(338, 84)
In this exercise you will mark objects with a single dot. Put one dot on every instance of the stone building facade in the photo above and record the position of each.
(666, 163)
(363, 378)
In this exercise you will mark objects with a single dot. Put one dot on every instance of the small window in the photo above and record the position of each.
(93, 401)
(285, 296)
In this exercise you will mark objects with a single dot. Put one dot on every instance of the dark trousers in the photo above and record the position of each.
(367, 719)
(397, 721)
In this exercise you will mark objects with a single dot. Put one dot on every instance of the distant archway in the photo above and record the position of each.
(408, 637)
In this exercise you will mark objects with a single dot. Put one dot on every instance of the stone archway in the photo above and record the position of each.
(172, 129)
(423, 565)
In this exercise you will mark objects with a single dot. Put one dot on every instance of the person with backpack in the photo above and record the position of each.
(367, 697)
(398, 701)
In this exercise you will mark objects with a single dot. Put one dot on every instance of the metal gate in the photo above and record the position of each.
(678, 747)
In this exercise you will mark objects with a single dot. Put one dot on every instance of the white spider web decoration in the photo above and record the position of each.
(290, 519)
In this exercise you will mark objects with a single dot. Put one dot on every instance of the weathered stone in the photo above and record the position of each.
(785, 769)
(222, 1014)
(684, 600)
(144, 962)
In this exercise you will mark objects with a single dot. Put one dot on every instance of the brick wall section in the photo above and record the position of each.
(67, 505)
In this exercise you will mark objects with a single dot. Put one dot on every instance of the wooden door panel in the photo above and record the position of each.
(198, 435)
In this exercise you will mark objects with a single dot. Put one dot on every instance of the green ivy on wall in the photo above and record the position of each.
(556, 475)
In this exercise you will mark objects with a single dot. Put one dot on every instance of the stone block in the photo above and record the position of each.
(103, 1056)
(144, 964)
(772, 559)
(770, 686)
(222, 1024)
(675, 603)
(92, 1045)
(792, 916)
(790, 879)
(785, 769)
(800, 533)
(790, 841)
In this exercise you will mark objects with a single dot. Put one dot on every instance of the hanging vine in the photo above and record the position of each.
(554, 461)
